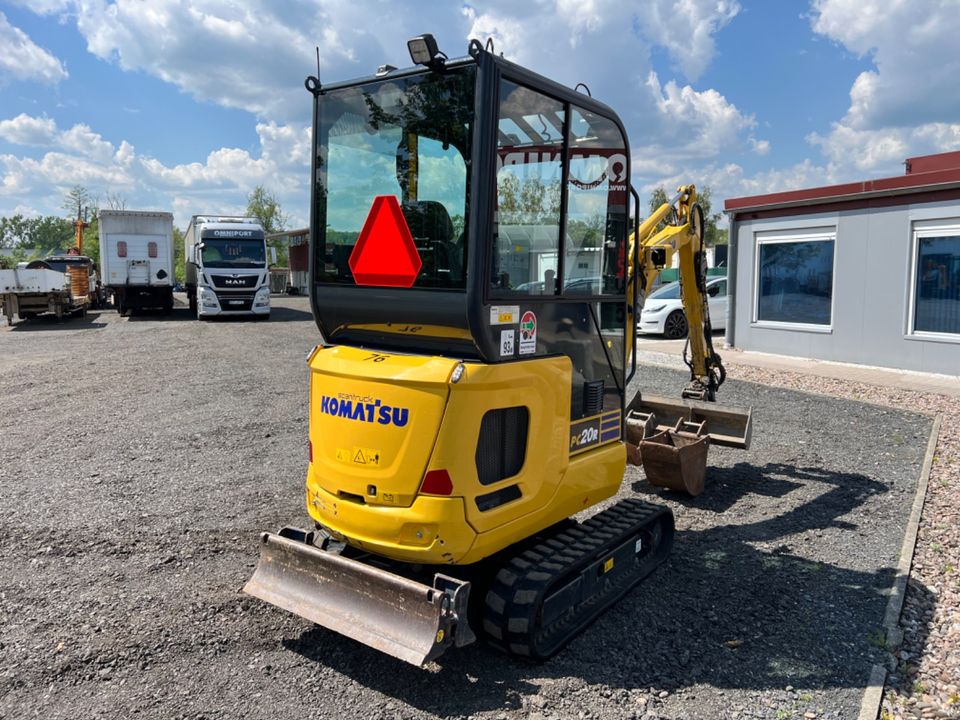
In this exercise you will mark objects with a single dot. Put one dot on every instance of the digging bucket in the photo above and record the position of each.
(723, 424)
(675, 460)
(398, 616)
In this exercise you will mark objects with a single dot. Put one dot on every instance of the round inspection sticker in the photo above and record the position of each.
(528, 333)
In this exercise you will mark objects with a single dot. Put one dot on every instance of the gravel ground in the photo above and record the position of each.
(140, 457)
(924, 679)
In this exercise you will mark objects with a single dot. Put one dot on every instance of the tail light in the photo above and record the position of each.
(436, 482)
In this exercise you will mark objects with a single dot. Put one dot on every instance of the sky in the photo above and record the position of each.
(188, 106)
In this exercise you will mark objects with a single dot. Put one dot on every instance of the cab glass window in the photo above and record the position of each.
(594, 248)
(529, 173)
(406, 137)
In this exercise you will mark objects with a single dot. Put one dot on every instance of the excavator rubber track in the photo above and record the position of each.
(545, 596)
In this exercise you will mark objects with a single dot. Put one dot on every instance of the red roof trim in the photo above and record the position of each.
(902, 184)
(856, 203)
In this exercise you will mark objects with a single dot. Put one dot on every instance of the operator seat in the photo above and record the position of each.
(432, 231)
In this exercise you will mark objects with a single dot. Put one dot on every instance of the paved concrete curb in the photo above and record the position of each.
(891, 619)
(870, 707)
(873, 697)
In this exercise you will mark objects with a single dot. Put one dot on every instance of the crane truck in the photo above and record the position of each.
(476, 282)
(58, 284)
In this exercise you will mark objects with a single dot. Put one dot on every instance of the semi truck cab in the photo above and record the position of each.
(227, 267)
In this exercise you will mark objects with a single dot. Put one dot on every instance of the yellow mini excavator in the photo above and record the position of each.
(475, 277)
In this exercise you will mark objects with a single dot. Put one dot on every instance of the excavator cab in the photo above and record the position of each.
(515, 191)
(473, 281)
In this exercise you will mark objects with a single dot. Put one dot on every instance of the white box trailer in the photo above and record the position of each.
(136, 258)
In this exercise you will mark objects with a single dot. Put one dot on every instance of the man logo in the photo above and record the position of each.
(234, 281)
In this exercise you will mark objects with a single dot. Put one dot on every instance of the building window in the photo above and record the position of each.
(795, 278)
(936, 279)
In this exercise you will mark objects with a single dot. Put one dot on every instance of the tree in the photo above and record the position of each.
(50, 234)
(40, 235)
(657, 198)
(91, 240)
(116, 201)
(79, 203)
(77, 200)
(178, 256)
(712, 235)
(264, 206)
(527, 201)
(14, 230)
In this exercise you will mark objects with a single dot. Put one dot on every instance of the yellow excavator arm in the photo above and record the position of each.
(653, 251)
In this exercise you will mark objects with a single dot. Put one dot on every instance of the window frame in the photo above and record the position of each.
(492, 295)
(791, 236)
(920, 229)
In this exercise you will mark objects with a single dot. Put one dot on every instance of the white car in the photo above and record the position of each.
(663, 311)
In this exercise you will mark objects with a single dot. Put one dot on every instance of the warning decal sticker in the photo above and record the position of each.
(506, 342)
(504, 314)
(528, 333)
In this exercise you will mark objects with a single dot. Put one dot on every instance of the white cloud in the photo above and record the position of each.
(222, 181)
(881, 151)
(697, 123)
(27, 130)
(729, 180)
(255, 55)
(907, 104)
(575, 40)
(693, 48)
(86, 143)
(252, 56)
(913, 46)
(22, 59)
(760, 147)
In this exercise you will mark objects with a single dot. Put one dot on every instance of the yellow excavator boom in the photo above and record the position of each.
(656, 249)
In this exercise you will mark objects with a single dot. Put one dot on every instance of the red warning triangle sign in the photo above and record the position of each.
(385, 253)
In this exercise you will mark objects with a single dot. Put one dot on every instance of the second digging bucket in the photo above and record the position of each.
(675, 460)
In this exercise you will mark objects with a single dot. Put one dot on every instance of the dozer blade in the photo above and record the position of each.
(398, 616)
(724, 425)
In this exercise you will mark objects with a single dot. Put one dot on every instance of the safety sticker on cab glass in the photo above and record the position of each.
(507, 342)
(504, 314)
(528, 333)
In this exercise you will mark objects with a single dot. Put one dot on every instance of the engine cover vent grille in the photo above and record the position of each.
(502, 445)
(592, 397)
